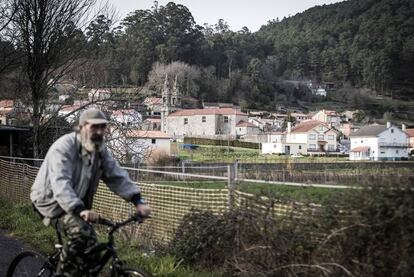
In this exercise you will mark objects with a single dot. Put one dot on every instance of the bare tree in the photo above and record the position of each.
(188, 76)
(49, 34)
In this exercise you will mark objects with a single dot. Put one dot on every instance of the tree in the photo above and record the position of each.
(48, 34)
(188, 77)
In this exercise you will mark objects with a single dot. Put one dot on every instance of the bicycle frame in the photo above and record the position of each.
(108, 248)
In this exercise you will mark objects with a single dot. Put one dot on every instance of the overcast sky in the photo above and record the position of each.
(237, 13)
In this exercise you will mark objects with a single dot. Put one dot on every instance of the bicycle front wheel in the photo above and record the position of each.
(130, 272)
(28, 264)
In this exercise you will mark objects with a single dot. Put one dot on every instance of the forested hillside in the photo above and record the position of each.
(360, 45)
(368, 43)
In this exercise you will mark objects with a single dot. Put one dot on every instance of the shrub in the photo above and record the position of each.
(368, 232)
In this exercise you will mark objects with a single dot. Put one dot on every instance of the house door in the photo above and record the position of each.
(287, 149)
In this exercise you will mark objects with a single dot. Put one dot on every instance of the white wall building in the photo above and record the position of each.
(150, 141)
(308, 137)
(317, 136)
(126, 117)
(153, 105)
(329, 117)
(379, 142)
(244, 128)
(211, 123)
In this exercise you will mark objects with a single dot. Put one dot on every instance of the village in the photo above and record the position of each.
(151, 126)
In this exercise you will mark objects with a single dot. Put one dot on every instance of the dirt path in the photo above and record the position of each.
(9, 247)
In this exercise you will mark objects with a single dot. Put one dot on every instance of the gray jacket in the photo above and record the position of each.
(53, 191)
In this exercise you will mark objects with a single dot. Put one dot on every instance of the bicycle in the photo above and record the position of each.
(30, 263)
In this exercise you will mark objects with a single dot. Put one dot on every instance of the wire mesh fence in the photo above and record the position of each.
(172, 192)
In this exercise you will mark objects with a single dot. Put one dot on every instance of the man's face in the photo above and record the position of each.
(92, 136)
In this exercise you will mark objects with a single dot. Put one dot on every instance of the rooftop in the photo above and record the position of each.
(243, 123)
(147, 134)
(306, 126)
(369, 131)
(208, 111)
(410, 132)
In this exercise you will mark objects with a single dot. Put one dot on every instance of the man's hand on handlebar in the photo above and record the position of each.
(143, 209)
(89, 215)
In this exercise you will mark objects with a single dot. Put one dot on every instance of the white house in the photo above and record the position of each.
(212, 122)
(321, 92)
(6, 110)
(284, 148)
(149, 142)
(154, 106)
(316, 135)
(126, 117)
(307, 137)
(331, 117)
(379, 142)
(244, 128)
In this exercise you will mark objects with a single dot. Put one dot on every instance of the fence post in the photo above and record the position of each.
(231, 184)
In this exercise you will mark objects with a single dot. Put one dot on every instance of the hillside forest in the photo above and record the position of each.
(364, 47)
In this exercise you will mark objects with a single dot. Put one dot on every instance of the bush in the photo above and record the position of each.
(203, 239)
(218, 142)
(368, 232)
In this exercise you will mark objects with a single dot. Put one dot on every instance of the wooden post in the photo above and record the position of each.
(231, 184)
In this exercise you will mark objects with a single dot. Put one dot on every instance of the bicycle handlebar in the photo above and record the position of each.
(137, 217)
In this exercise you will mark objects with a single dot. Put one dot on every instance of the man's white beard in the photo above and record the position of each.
(89, 145)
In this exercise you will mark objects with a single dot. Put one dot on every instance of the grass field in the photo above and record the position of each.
(283, 192)
(210, 153)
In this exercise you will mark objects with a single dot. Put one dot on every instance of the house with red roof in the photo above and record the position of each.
(245, 128)
(316, 135)
(309, 137)
(410, 133)
(210, 122)
(332, 118)
(6, 109)
(153, 105)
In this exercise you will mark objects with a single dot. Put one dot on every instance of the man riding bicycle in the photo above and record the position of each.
(67, 181)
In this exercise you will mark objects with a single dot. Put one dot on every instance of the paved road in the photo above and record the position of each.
(9, 247)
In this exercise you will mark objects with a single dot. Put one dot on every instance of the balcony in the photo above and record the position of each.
(394, 144)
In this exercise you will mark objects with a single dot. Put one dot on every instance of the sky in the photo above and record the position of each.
(237, 13)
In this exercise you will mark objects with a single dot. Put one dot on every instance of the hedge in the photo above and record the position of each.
(220, 142)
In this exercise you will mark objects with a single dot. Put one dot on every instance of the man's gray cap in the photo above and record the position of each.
(92, 116)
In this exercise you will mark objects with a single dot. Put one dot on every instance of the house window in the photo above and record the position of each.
(331, 137)
(331, 147)
(321, 137)
(392, 130)
(300, 147)
(312, 137)
(320, 128)
(203, 119)
(226, 119)
(240, 129)
(153, 141)
(185, 121)
(312, 146)
(396, 151)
